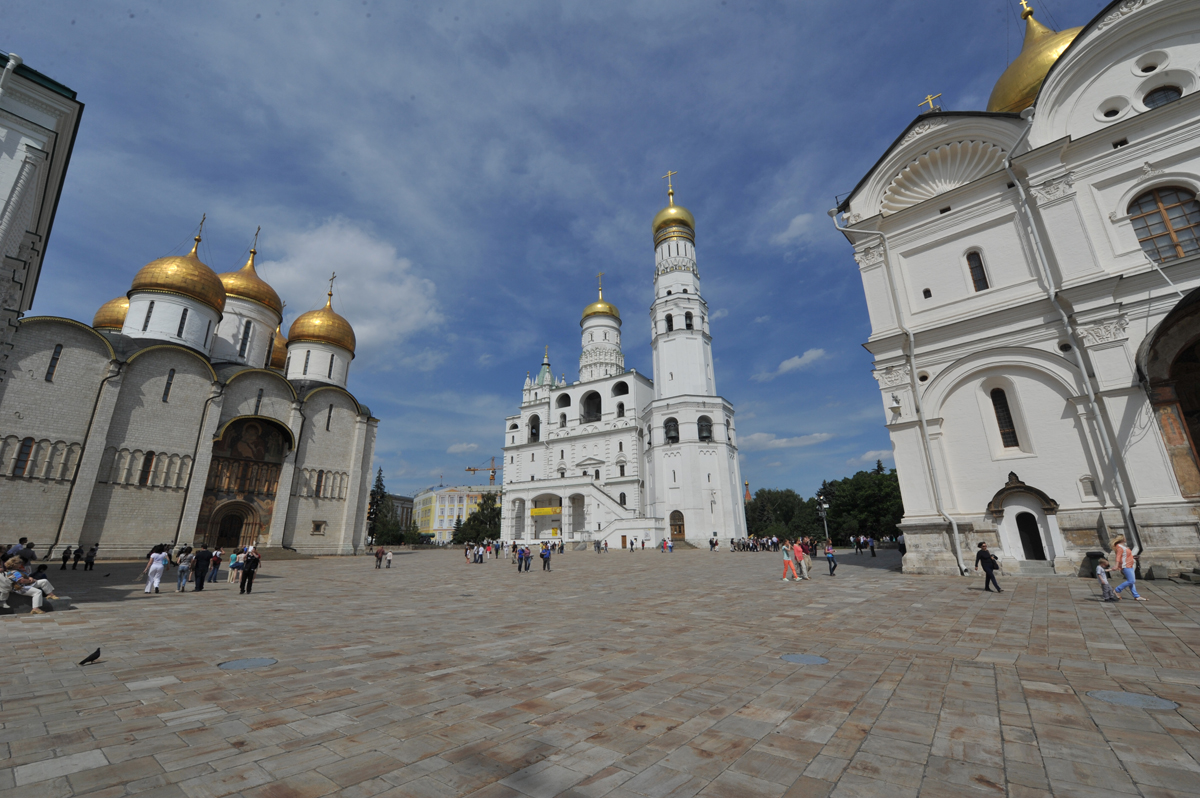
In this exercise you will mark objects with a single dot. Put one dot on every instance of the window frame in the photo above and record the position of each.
(983, 271)
(53, 365)
(1161, 213)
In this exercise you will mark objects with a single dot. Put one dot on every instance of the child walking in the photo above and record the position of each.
(1102, 577)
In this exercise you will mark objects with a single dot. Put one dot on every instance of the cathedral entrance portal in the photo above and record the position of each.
(1170, 359)
(1031, 538)
(229, 533)
(677, 525)
(233, 526)
(239, 495)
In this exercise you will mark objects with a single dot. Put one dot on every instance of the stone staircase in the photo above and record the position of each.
(1034, 568)
(278, 553)
(1192, 576)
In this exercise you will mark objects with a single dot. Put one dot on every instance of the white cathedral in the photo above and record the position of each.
(615, 456)
(1032, 274)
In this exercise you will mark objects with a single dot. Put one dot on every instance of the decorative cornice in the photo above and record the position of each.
(921, 128)
(1053, 189)
(892, 377)
(869, 256)
(1121, 11)
(1105, 332)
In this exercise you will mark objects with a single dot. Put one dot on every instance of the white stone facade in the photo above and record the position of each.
(619, 457)
(976, 265)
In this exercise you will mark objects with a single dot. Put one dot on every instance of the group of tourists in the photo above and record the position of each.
(523, 556)
(863, 542)
(21, 578)
(201, 566)
(798, 554)
(88, 557)
(380, 556)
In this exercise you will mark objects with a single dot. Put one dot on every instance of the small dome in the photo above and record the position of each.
(323, 326)
(246, 283)
(1018, 87)
(182, 274)
(279, 350)
(601, 308)
(674, 215)
(111, 314)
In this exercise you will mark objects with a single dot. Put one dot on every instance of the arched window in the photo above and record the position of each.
(562, 420)
(1161, 96)
(563, 400)
(208, 328)
(320, 482)
(23, 455)
(1166, 221)
(182, 323)
(270, 350)
(620, 410)
(562, 454)
(53, 363)
(149, 313)
(245, 339)
(687, 320)
(978, 275)
(670, 323)
(620, 389)
(329, 375)
(671, 430)
(622, 499)
(1004, 419)
(704, 428)
(147, 467)
(621, 469)
(167, 387)
(591, 408)
(307, 356)
(512, 426)
(535, 429)
(597, 474)
(287, 364)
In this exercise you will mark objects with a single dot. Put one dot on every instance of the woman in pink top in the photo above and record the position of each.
(1126, 566)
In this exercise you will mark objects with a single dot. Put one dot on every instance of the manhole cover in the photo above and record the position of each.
(1133, 699)
(245, 664)
(804, 659)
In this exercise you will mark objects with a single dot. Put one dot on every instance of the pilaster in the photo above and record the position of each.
(84, 483)
(198, 479)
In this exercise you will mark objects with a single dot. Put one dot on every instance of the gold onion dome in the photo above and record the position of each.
(182, 274)
(246, 283)
(1018, 87)
(323, 326)
(601, 308)
(279, 350)
(111, 314)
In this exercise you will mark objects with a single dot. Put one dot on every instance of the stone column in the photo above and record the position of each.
(346, 541)
(90, 458)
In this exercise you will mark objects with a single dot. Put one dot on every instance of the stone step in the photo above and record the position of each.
(1192, 577)
(1035, 568)
(277, 553)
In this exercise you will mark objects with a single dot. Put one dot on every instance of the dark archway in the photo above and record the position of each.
(677, 531)
(1031, 538)
(591, 408)
(1170, 362)
(229, 530)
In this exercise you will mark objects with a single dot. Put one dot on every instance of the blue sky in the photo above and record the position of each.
(467, 168)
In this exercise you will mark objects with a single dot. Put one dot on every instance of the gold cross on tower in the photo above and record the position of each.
(670, 190)
(1026, 12)
(332, 277)
(600, 283)
(929, 98)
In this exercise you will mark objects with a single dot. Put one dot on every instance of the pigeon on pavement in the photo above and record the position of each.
(90, 658)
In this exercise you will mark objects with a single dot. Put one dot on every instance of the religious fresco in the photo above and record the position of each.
(239, 494)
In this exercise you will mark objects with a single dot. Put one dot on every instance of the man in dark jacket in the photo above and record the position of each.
(249, 569)
(989, 563)
(200, 562)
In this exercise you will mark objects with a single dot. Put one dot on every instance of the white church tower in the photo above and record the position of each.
(695, 478)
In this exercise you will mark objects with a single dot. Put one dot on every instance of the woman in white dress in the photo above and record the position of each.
(154, 568)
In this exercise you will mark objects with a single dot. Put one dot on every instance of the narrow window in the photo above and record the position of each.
(245, 340)
(620, 446)
(207, 329)
(167, 389)
(23, 455)
(182, 323)
(320, 482)
(1089, 487)
(1008, 431)
(531, 457)
(670, 323)
(978, 275)
(562, 454)
(53, 363)
(258, 402)
(147, 467)
(328, 418)
(597, 474)
(330, 374)
(622, 468)
(620, 410)
(149, 313)
(687, 320)
(287, 364)
(270, 350)
(622, 499)
(562, 420)
(307, 355)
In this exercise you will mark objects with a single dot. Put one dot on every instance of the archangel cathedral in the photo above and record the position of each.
(183, 414)
(1032, 274)
(617, 456)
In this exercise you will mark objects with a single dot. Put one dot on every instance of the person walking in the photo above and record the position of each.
(78, 555)
(871, 544)
(89, 559)
(378, 558)
(1106, 591)
(830, 557)
(249, 569)
(66, 555)
(154, 568)
(1127, 565)
(235, 566)
(185, 568)
(200, 563)
(216, 564)
(858, 545)
(545, 558)
(989, 563)
(788, 562)
(798, 558)
(388, 557)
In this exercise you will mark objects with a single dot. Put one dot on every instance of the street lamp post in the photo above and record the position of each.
(822, 510)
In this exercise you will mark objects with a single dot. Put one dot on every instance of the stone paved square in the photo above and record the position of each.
(639, 675)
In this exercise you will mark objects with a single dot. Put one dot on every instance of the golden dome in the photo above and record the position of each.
(673, 221)
(246, 283)
(111, 314)
(1019, 85)
(598, 308)
(279, 350)
(182, 274)
(323, 326)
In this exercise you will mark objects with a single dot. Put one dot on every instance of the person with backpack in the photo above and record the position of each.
(990, 564)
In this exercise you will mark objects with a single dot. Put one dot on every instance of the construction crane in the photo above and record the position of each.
(491, 468)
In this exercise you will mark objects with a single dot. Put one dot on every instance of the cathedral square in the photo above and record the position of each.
(990, 576)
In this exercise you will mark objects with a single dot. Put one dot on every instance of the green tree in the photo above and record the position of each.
(378, 491)
(413, 535)
(388, 531)
(483, 524)
(867, 503)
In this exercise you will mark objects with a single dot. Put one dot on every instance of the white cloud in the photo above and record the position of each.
(459, 448)
(871, 456)
(762, 319)
(720, 313)
(798, 230)
(376, 290)
(760, 441)
(796, 363)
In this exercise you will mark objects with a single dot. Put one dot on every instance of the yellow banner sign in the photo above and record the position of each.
(546, 511)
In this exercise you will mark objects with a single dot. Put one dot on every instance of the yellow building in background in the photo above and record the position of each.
(437, 508)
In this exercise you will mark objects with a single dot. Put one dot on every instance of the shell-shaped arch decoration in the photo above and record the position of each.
(940, 170)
